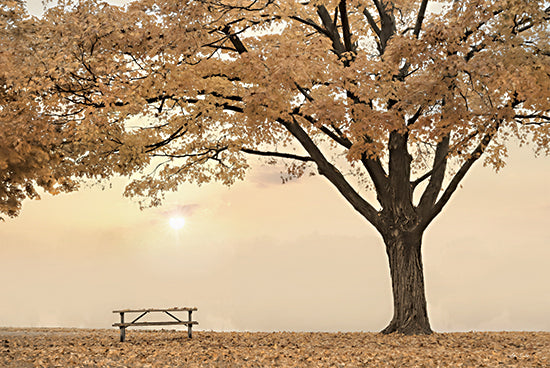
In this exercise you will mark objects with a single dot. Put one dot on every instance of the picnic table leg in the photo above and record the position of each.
(189, 326)
(122, 328)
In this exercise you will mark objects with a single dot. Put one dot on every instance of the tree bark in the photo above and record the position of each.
(410, 315)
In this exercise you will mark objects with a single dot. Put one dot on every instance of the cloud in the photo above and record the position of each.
(181, 210)
(268, 175)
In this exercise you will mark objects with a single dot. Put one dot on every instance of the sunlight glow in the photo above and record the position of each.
(177, 222)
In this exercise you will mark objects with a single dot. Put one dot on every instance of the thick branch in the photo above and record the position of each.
(336, 137)
(235, 40)
(311, 23)
(371, 22)
(346, 31)
(373, 165)
(438, 173)
(387, 25)
(379, 6)
(304, 92)
(417, 182)
(331, 29)
(453, 185)
(332, 174)
(415, 117)
(420, 18)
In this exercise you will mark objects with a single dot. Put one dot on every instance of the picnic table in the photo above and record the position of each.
(143, 312)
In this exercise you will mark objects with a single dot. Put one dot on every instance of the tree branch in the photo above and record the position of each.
(438, 173)
(420, 18)
(331, 29)
(371, 22)
(453, 185)
(332, 174)
(277, 154)
(532, 116)
(345, 26)
(415, 183)
(214, 152)
(235, 40)
(311, 23)
(373, 165)
(387, 25)
(337, 137)
(415, 117)
(304, 92)
(379, 7)
(177, 134)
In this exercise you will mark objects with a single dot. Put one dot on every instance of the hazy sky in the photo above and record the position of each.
(266, 256)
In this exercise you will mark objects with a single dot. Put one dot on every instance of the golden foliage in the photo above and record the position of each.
(28, 138)
(184, 87)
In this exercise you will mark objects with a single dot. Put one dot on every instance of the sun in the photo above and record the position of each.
(177, 222)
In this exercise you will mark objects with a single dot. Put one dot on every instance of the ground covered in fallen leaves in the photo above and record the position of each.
(101, 348)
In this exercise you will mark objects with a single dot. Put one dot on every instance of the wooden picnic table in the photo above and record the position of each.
(168, 311)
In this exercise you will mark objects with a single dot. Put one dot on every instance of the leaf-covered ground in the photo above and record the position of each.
(101, 348)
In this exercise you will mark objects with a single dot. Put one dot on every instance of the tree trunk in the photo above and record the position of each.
(410, 316)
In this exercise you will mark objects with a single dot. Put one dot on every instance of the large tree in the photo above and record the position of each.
(396, 97)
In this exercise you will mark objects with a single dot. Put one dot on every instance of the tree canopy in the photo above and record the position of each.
(29, 138)
(399, 97)
(213, 82)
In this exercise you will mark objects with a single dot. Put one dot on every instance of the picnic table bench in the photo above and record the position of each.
(169, 311)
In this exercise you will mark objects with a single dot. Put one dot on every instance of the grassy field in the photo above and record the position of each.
(101, 348)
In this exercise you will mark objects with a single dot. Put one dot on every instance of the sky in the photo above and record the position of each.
(267, 256)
